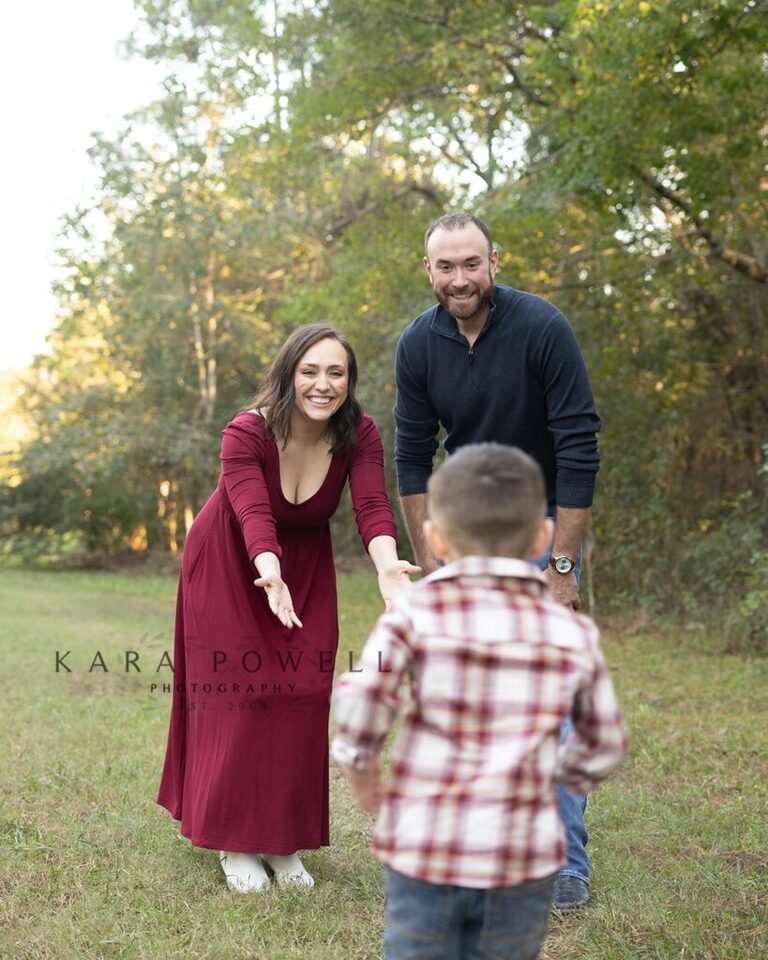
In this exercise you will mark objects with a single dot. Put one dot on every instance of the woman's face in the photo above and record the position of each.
(321, 380)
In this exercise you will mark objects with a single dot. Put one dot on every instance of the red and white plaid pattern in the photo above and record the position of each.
(485, 666)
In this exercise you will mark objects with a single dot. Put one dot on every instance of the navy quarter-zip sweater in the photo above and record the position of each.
(523, 383)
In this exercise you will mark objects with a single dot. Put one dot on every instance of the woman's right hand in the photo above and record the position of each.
(279, 598)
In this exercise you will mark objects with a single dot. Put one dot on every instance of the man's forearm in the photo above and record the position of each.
(570, 527)
(414, 509)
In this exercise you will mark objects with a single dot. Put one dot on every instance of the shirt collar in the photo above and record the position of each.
(491, 567)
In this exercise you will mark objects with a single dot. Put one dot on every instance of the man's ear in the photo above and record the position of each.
(435, 540)
(427, 267)
(543, 539)
(494, 261)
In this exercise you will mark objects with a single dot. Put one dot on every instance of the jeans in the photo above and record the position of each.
(432, 921)
(572, 805)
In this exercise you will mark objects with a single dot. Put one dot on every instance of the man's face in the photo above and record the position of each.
(461, 271)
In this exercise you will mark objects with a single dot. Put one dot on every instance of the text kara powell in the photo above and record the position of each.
(250, 662)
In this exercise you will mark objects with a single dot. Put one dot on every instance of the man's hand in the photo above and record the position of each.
(564, 588)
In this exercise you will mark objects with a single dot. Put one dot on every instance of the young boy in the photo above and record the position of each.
(485, 666)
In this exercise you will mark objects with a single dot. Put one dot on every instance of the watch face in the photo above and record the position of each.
(563, 564)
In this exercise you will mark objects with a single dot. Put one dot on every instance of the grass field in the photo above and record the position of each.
(91, 868)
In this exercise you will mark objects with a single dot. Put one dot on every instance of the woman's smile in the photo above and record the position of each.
(321, 381)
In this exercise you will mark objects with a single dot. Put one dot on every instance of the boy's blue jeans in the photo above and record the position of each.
(431, 921)
(572, 805)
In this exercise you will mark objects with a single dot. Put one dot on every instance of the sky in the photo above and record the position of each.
(61, 78)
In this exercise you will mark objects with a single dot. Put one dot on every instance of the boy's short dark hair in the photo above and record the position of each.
(488, 500)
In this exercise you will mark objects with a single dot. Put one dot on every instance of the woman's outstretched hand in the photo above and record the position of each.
(395, 577)
(279, 598)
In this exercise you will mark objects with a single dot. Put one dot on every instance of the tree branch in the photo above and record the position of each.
(460, 36)
(338, 227)
(742, 262)
(464, 151)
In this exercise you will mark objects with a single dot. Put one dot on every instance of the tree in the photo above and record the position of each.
(616, 149)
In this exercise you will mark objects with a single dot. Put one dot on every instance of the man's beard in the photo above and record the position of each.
(465, 309)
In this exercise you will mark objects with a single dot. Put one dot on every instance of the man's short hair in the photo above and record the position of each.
(488, 500)
(458, 221)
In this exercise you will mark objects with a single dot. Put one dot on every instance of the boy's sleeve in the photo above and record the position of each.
(599, 740)
(366, 699)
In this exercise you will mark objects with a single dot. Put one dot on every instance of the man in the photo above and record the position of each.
(492, 364)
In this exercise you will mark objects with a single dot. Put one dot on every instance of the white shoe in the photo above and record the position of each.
(288, 871)
(245, 872)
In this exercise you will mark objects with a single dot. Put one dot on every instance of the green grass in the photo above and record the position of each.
(90, 867)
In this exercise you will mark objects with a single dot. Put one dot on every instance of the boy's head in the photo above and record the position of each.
(487, 500)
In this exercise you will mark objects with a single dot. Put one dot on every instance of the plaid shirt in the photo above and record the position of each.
(494, 666)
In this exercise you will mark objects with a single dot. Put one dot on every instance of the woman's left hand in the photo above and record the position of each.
(396, 577)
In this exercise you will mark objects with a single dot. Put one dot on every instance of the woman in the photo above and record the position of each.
(246, 768)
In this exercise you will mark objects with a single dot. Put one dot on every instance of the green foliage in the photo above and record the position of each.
(287, 175)
(668, 88)
(747, 625)
(746, 622)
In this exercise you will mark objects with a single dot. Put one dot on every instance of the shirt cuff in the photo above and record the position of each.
(350, 756)
(574, 488)
(255, 547)
(410, 481)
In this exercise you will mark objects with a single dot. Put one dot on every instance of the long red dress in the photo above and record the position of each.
(246, 767)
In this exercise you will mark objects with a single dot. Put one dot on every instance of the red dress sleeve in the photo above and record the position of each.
(373, 512)
(243, 461)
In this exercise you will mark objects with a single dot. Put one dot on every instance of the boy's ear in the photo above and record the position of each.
(435, 540)
(544, 536)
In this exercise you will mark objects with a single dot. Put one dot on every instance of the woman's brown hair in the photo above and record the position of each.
(277, 396)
